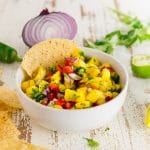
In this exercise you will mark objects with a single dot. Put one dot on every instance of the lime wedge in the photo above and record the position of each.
(147, 117)
(140, 65)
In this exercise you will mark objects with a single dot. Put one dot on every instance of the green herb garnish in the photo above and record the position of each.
(137, 32)
(38, 96)
(107, 129)
(52, 69)
(92, 143)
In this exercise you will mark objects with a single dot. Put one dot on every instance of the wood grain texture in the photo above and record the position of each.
(127, 131)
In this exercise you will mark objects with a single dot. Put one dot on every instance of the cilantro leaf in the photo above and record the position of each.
(92, 143)
(137, 32)
(107, 129)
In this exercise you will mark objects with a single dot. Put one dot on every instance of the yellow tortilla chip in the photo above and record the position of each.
(3, 116)
(14, 144)
(9, 97)
(47, 53)
(7, 127)
(4, 107)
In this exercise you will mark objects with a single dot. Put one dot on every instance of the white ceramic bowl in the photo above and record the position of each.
(76, 120)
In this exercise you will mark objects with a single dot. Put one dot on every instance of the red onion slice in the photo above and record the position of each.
(74, 76)
(49, 25)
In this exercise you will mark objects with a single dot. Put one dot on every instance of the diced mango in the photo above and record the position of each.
(82, 90)
(94, 83)
(30, 90)
(42, 85)
(93, 71)
(70, 95)
(56, 77)
(41, 73)
(100, 101)
(78, 53)
(79, 63)
(95, 95)
(105, 85)
(57, 106)
(93, 61)
(83, 104)
(105, 74)
(62, 87)
(26, 84)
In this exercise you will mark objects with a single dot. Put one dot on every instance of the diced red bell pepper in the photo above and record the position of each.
(53, 86)
(60, 102)
(68, 105)
(68, 69)
(68, 62)
(60, 68)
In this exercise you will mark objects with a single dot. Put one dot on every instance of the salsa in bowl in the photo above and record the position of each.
(84, 105)
(81, 82)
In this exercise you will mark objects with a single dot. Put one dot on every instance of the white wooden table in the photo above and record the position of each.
(127, 131)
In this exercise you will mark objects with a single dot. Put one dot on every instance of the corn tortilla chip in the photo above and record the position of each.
(3, 116)
(9, 97)
(7, 127)
(4, 107)
(47, 53)
(16, 144)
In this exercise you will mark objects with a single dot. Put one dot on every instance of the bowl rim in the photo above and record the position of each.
(78, 110)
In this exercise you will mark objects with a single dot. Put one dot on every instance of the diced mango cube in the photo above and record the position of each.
(93, 61)
(70, 95)
(31, 90)
(95, 95)
(26, 84)
(41, 73)
(83, 104)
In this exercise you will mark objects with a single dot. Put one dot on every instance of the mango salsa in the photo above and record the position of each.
(80, 83)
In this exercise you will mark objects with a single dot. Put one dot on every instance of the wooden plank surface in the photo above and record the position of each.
(127, 131)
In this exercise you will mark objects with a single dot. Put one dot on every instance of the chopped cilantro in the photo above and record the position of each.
(92, 143)
(52, 69)
(115, 77)
(137, 32)
(107, 129)
(37, 96)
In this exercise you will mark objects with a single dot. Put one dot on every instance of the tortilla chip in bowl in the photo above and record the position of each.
(74, 119)
(47, 53)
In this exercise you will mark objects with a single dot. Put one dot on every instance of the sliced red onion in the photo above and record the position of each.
(74, 76)
(49, 25)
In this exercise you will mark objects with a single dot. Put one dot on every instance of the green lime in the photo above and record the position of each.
(140, 65)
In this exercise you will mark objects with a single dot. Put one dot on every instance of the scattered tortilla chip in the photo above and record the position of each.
(14, 144)
(9, 97)
(7, 127)
(47, 53)
(4, 107)
(3, 116)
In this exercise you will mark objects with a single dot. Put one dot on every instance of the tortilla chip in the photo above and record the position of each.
(47, 53)
(4, 107)
(14, 144)
(7, 127)
(9, 97)
(3, 116)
